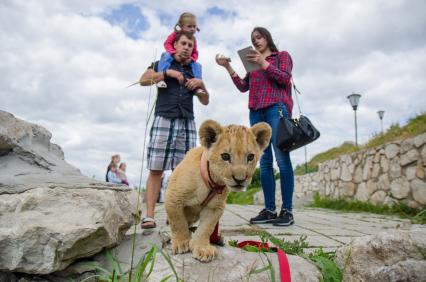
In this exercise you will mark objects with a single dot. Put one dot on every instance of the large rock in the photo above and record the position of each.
(419, 191)
(362, 193)
(230, 265)
(388, 256)
(419, 140)
(51, 214)
(400, 188)
(391, 150)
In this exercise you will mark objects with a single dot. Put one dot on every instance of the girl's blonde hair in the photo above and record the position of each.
(182, 19)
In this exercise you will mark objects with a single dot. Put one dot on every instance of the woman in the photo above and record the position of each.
(269, 95)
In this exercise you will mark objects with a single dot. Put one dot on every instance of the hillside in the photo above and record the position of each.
(414, 126)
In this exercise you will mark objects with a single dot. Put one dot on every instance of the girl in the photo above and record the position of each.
(121, 172)
(188, 23)
(115, 159)
(112, 174)
(269, 95)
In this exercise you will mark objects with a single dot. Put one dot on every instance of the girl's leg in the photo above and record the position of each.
(282, 158)
(196, 69)
(266, 166)
(165, 62)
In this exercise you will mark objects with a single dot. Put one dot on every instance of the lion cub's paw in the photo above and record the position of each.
(180, 246)
(204, 253)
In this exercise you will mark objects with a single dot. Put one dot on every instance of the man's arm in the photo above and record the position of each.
(203, 97)
(195, 83)
(150, 77)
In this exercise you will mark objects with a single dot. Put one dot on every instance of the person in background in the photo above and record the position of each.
(113, 175)
(269, 96)
(121, 172)
(115, 159)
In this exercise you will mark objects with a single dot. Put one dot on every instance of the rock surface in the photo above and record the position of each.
(231, 265)
(51, 214)
(387, 256)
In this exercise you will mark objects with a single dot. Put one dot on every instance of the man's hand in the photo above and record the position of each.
(175, 74)
(194, 83)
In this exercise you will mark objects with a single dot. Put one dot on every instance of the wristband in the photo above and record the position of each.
(165, 74)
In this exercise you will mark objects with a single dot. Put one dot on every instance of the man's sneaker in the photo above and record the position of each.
(265, 216)
(200, 91)
(284, 219)
(161, 84)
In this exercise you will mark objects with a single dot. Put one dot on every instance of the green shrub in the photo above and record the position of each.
(401, 210)
(242, 198)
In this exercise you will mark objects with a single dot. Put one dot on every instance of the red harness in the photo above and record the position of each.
(207, 178)
(214, 189)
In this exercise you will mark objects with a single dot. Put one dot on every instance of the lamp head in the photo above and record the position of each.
(354, 100)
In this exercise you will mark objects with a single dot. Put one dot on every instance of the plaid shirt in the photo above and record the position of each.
(268, 87)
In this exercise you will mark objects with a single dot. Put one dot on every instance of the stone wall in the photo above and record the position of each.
(388, 174)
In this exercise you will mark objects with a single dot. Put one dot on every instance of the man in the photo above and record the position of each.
(173, 131)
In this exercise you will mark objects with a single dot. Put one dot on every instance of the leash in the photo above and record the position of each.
(214, 189)
(284, 266)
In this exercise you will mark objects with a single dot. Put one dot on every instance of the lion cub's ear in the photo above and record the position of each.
(209, 131)
(263, 132)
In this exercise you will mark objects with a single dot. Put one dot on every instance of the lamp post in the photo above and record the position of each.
(381, 114)
(354, 100)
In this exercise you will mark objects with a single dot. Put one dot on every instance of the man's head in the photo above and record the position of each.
(184, 44)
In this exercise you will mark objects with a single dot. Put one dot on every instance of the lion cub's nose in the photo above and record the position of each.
(239, 181)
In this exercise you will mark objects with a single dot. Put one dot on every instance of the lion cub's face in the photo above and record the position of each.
(234, 150)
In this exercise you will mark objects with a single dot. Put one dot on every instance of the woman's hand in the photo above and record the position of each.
(254, 56)
(221, 60)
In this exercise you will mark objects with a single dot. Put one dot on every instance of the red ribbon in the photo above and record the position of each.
(282, 257)
(284, 266)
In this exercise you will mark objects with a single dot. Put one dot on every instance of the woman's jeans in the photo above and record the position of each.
(271, 116)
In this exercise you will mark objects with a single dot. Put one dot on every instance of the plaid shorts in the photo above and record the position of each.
(170, 139)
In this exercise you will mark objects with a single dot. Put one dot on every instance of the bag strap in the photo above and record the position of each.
(297, 98)
(296, 91)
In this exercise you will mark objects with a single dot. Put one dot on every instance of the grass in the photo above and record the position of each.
(140, 273)
(242, 198)
(323, 260)
(246, 197)
(400, 210)
(414, 127)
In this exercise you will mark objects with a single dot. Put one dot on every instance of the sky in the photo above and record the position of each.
(65, 65)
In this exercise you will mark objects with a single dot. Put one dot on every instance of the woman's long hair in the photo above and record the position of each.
(265, 33)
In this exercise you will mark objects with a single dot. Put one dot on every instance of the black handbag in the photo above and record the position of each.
(293, 133)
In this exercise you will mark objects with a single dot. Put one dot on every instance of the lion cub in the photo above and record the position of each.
(199, 185)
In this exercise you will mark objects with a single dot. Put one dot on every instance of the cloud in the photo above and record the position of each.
(66, 65)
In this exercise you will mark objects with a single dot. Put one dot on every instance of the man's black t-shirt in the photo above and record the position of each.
(175, 101)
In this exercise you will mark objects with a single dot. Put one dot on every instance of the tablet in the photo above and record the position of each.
(249, 66)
